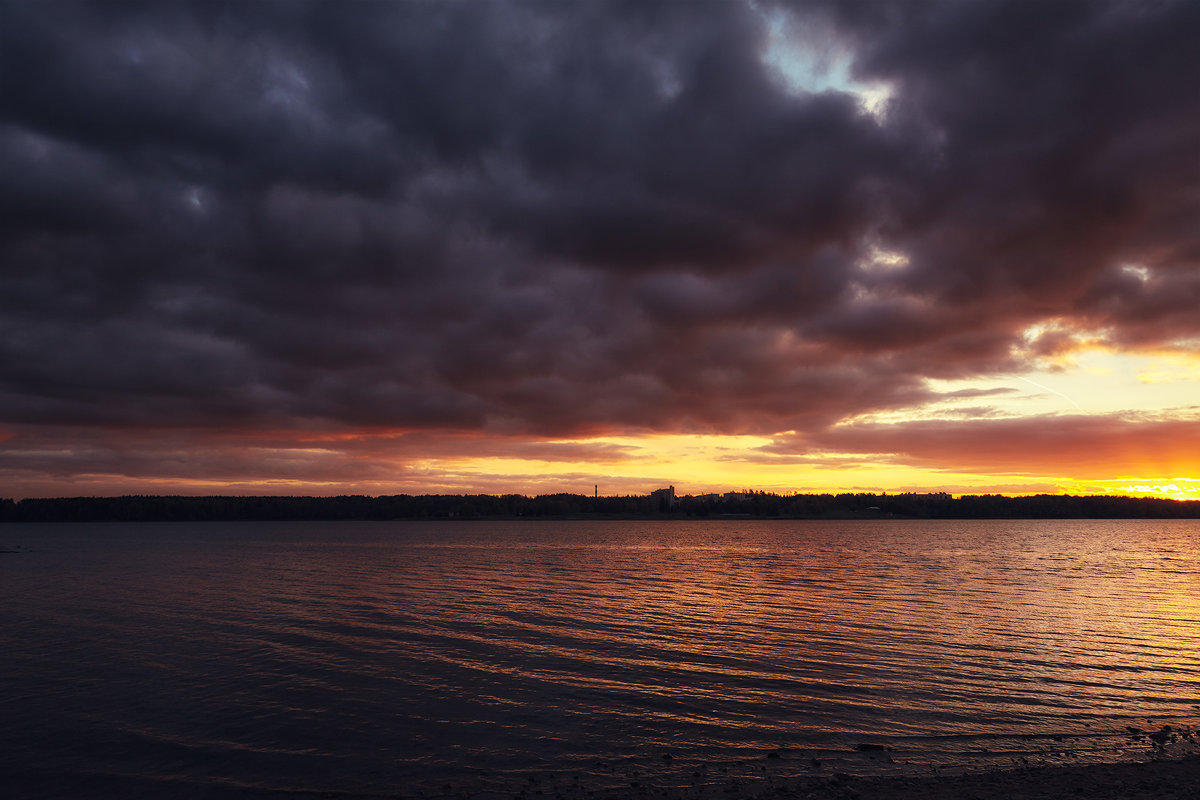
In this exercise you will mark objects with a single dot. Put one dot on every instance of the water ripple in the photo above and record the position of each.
(383, 658)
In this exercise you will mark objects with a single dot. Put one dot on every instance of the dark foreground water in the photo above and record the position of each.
(386, 659)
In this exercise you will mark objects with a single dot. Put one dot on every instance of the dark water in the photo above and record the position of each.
(380, 659)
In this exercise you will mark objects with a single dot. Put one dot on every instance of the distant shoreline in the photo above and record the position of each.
(658, 505)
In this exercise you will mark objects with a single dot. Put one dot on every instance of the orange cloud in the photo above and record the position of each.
(1076, 446)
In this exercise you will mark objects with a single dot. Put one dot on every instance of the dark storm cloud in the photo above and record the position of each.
(530, 217)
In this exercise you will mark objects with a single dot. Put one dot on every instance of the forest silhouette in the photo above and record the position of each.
(751, 504)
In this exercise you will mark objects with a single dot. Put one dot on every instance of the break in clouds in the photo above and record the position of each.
(569, 219)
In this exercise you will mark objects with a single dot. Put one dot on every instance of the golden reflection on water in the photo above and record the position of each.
(510, 646)
(924, 618)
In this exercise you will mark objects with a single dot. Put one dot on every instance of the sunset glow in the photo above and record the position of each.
(790, 247)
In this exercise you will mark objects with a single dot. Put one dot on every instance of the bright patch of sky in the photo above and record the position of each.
(1094, 382)
(699, 464)
(1141, 273)
(806, 57)
(879, 259)
(193, 197)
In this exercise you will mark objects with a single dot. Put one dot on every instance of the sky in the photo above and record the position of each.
(533, 247)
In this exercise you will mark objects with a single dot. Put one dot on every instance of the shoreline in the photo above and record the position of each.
(661, 504)
(1168, 770)
(1157, 778)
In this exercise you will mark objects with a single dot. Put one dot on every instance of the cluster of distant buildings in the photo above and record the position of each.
(728, 497)
(666, 499)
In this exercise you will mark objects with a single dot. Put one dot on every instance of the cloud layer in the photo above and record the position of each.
(547, 220)
(1083, 447)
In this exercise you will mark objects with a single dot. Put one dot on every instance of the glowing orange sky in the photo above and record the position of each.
(539, 247)
(1068, 429)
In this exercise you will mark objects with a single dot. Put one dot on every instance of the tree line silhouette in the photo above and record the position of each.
(755, 504)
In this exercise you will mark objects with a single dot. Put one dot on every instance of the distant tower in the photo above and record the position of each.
(596, 492)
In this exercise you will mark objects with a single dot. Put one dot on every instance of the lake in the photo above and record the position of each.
(451, 658)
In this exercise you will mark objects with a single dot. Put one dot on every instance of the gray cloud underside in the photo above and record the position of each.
(567, 219)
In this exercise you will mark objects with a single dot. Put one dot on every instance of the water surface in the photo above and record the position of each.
(441, 658)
